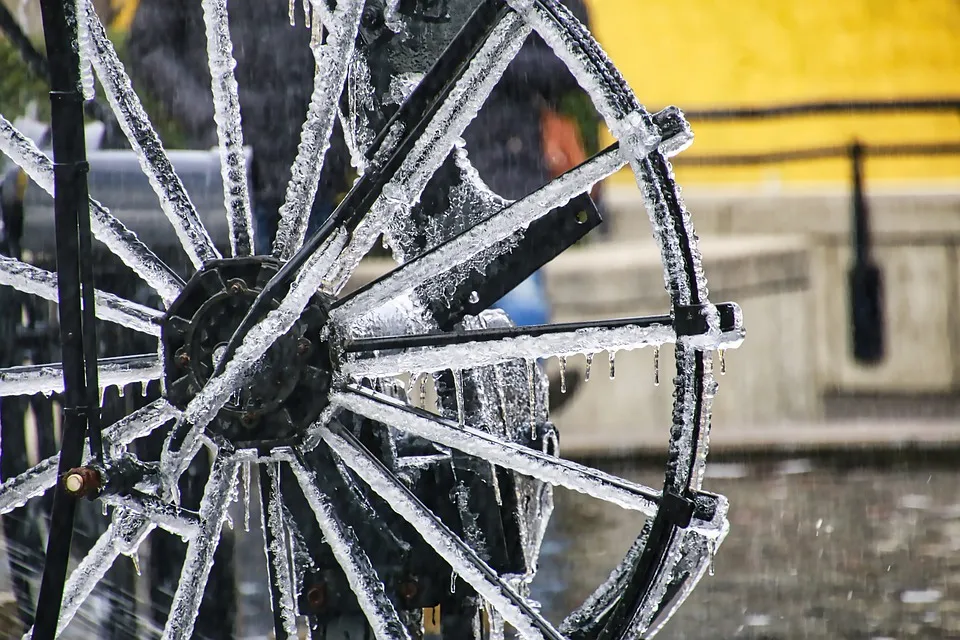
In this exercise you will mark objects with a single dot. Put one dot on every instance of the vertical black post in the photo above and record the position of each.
(74, 285)
(866, 290)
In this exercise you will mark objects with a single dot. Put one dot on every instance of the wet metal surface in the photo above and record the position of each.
(836, 552)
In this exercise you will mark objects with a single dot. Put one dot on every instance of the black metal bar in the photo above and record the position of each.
(70, 204)
(270, 536)
(866, 284)
(946, 103)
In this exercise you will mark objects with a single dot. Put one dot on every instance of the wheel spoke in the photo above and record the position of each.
(351, 557)
(176, 520)
(34, 482)
(278, 548)
(419, 153)
(458, 554)
(29, 279)
(124, 535)
(226, 103)
(217, 496)
(108, 229)
(332, 60)
(501, 226)
(133, 120)
(48, 378)
(510, 455)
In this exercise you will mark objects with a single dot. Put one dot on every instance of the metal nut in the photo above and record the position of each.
(317, 596)
(82, 481)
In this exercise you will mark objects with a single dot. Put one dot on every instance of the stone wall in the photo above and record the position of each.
(916, 235)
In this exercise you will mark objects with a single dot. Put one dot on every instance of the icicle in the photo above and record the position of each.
(656, 366)
(246, 496)
(408, 388)
(586, 376)
(292, 10)
(458, 391)
(316, 34)
(135, 558)
(307, 14)
(501, 392)
(423, 390)
(384, 242)
(533, 399)
(563, 374)
(453, 582)
(723, 363)
(496, 486)
(613, 364)
(228, 521)
(712, 550)
(104, 509)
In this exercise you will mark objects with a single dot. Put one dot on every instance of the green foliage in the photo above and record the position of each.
(579, 106)
(18, 86)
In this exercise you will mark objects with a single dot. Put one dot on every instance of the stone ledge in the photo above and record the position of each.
(787, 437)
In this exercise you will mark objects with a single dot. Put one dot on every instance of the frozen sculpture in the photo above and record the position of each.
(374, 504)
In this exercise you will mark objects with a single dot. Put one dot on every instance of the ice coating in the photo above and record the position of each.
(29, 279)
(217, 496)
(332, 62)
(163, 514)
(279, 554)
(87, 87)
(497, 228)
(477, 354)
(461, 558)
(15, 492)
(48, 378)
(226, 113)
(429, 151)
(361, 575)
(106, 228)
(205, 405)
(531, 462)
(125, 529)
(133, 120)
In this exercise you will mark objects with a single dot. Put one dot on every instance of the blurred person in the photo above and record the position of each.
(275, 69)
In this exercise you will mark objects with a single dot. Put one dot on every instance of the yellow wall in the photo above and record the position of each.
(710, 53)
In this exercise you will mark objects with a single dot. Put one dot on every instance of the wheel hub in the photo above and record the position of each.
(291, 384)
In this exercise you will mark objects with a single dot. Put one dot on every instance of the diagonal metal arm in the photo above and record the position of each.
(509, 455)
(458, 554)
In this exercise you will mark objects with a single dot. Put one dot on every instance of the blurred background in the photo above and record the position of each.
(824, 182)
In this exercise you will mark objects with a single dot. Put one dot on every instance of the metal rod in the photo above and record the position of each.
(944, 103)
(70, 204)
(817, 153)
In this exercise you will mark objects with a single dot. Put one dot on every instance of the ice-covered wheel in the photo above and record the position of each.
(378, 501)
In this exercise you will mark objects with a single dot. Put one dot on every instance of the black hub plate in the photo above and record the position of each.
(292, 383)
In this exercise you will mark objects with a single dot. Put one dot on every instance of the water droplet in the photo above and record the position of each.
(723, 363)
(563, 374)
(656, 366)
(586, 376)
(613, 364)
(474, 297)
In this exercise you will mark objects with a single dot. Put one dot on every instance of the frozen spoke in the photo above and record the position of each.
(461, 558)
(279, 550)
(106, 228)
(434, 143)
(34, 482)
(43, 284)
(144, 141)
(48, 378)
(501, 226)
(226, 106)
(167, 516)
(378, 357)
(351, 557)
(217, 496)
(509, 455)
(333, 62)
(124, 535)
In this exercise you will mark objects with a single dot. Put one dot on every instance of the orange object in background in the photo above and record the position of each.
(562, 144)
